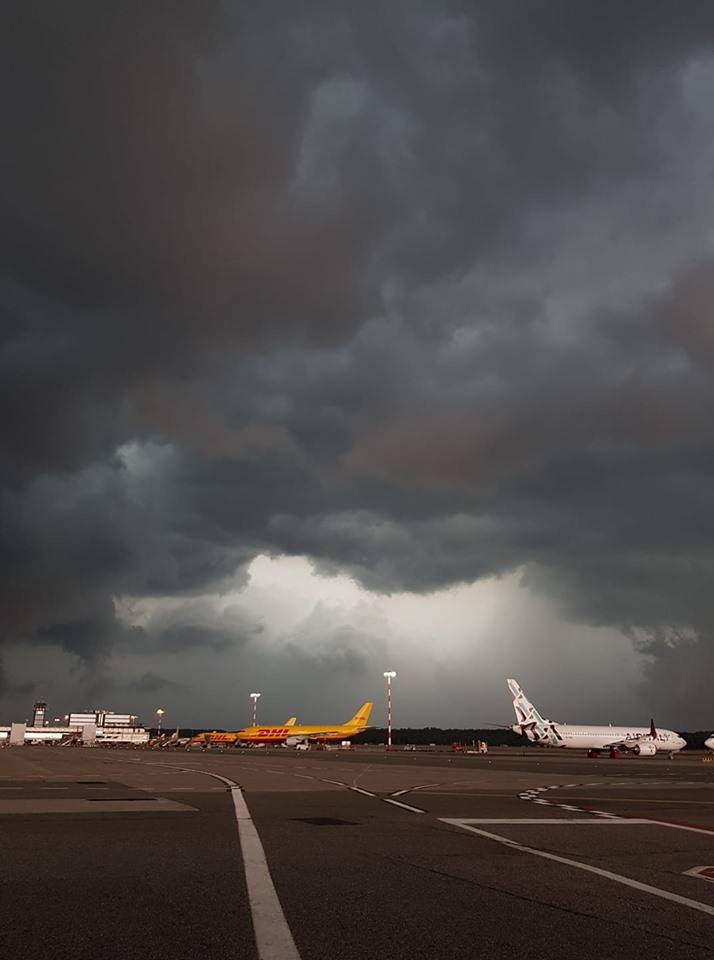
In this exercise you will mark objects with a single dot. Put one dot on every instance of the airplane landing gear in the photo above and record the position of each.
(592, 754)
(615, 754)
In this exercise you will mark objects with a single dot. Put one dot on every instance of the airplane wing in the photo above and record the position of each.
(316, 737)
(645, 745)
(625, 744)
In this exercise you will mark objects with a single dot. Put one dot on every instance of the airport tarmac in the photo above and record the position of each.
(324, 856)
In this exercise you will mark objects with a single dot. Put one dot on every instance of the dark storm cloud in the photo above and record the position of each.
(150, 682)
(422, 292)
(196, 624)
(11, 688)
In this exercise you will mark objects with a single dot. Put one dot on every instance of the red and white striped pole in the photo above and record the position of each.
(389, 674)
(254, 698)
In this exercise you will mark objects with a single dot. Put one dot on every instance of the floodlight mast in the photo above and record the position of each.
(159, 714)
(254, 698)
(390, 675)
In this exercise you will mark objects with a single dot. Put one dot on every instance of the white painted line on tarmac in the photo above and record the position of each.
(338, 783)
(701, 873)
(544, 820)
(422, 786)
(272, 933)
(273, 938)
(360, 775)
(404, 806)
(304, 776)
(682, 826)
(588, 868)
(365, 793)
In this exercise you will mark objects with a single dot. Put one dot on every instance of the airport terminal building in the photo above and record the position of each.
(96, 726)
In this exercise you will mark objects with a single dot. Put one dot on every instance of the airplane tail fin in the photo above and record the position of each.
(291, 722)
(653, 730)
(361, 718)
(524, 709)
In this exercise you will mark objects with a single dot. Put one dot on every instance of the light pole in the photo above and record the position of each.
(390, 675)
(159, 714)
(254, 698)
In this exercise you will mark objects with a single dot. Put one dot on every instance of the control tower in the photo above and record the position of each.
(39, 711)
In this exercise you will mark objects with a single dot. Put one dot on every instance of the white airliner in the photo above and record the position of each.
(709, 744)
(640, 741)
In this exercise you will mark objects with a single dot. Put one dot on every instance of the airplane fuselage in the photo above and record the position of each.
(591, 737)
(296, 733)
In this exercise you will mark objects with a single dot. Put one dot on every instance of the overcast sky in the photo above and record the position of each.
(339, 337)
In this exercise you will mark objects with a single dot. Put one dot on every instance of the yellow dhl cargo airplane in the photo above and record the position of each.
(291, 733)
(231, 736)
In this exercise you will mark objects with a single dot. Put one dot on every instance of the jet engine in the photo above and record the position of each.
(645, 749)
